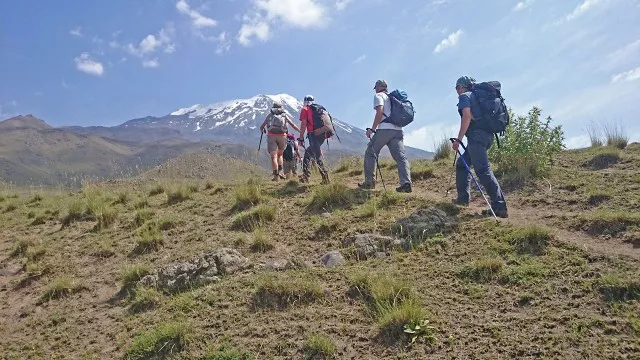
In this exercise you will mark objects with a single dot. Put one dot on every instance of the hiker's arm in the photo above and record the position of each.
(303, 123)
(376, 121)
(464, 122)
(295, 127)
(264, 123)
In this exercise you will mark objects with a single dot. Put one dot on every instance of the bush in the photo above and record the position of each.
(254, 218)
(149, 237)
(421, 170)
(20, 248)
(288, 290)
(319, 346)
(179, 194)
(157, 190)
(334, 195)
(595, 135)
(35, 199)
(529, 147)
(604, 158)
(261, 242)
(247, 195)
(131, 274)
(160, 342)
(142, 216)
(614, 288)
(62, 286)
(144, 299)
(443, 150)
(616, 136)
(76, 212)
(10, 207)
(532, 240)
(483, 270)
(101, 210)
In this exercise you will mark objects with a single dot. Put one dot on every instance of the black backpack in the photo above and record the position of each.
(288, 154)
(322, 121)
(494, 114)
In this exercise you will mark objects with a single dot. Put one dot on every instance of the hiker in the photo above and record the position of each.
(276, 124)
(313, 121)
(385, 133)
(291, 157)
(479, 141)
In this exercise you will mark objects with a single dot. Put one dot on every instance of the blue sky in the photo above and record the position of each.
(79, 62)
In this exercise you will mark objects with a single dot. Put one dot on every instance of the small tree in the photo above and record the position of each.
(528, 148)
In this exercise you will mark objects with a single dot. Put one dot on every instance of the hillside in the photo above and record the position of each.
(34, 153)
(189, 268)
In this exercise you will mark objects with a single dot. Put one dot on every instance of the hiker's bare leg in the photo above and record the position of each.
(274, 160)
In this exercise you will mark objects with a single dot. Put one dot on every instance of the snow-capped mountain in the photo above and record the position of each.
(238, 121)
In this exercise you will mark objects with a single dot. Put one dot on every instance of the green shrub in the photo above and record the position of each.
(529, 147)
(122, 198)
(261, 242)
(160, 342)
(247, 195)
(144, 298)
(604, 158)
(531, 240)
(142, 216)
(141, 204)
(179, 194)
(595, 135)
(616, 136)
(607, 222)
(131, 274)
(157, 190)
(334, 195)
(253, 218)
(422, 170)
(102, 210)
(62, 286)
(35, 253)
(443, 150)
(615, 288)
(39, 220)
(209, 185)
(35, 199)
(286, 290)
(20, 248)
(10, 207)
(149, 237)
(75, 212)
(393, 320)
(483, 270)
(319, 346)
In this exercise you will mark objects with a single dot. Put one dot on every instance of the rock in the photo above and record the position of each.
(332, 258)
(230, 261)
(367, 245)
(326, 214)
(196, 272)
(278, 264)
(425, 223)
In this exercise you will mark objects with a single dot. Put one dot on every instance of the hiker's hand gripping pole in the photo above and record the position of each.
(454, 141)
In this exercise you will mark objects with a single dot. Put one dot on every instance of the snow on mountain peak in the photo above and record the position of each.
(259, 102)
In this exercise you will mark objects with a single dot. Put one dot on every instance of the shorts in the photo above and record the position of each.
(290, 166)
(276, 142)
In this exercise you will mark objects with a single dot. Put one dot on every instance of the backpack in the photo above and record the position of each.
(401, 109)
(494, 114)
(288, 154)
(277, 122)
(322, 121)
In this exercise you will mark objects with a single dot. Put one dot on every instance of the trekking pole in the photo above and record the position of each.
(451, 176)
(259, 145)
(453, 141)
(378, 167)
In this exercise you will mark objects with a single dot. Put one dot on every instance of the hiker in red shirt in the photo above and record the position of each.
(313, 151)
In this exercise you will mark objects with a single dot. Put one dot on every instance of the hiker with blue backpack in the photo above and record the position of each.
(483, 115)
(393, 111)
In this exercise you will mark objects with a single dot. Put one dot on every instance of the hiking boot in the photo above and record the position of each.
(325, 181)
(460, 202)
(367, 186)
(501, 213)
(275, 175)
(303, 179)
(282, 176)
(406, 188)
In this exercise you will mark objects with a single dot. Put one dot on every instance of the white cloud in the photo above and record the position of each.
(360, 59)
(582, 8)
(153, 42)
(623, 56)
(114, 44)
(224, 44)
(198, 20)
(153, 63)
(523, 5)
(450, 41)
(342, 4)
(85, 64)
(267, 14)
(427, 137)
(76, 32)
(253, 28)
(630, 75)
(578, 142)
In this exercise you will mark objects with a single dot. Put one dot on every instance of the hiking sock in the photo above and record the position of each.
(279, 168)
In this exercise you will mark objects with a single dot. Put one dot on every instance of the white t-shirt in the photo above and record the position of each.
(382, 98)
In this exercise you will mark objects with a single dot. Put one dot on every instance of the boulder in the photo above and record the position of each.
(332, 258)
(370, 245)
(196, 272)
(425, 223)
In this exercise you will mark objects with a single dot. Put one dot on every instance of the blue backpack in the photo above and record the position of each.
(401, 109)
(489, 100)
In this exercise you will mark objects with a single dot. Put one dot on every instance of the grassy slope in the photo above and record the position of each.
(576, 298)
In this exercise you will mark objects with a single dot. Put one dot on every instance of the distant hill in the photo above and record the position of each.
(34, 153)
